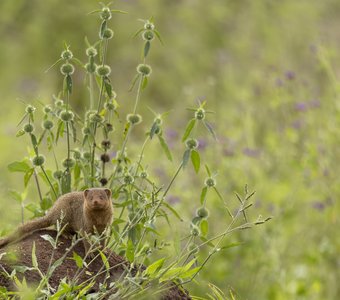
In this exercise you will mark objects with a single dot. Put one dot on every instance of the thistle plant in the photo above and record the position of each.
(90, 160)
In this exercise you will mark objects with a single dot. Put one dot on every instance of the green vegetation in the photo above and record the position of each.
(267, 69)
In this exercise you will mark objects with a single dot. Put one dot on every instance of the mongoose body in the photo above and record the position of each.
(87, 212)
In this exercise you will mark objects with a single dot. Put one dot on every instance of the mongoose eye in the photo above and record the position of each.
(101, 198)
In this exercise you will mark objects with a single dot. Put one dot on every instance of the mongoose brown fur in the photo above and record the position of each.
(88, 212)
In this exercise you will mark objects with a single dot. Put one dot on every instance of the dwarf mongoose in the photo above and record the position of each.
(86, 212)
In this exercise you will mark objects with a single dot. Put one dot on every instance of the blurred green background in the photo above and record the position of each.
(269, 69)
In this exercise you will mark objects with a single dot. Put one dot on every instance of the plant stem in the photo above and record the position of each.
(49, 181)
(138, 93)
(38, 185)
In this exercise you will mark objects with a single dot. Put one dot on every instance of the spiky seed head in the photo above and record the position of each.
(144, 69)
(202, 212)
(149, 26)
(200, 114)
(191, 143)
(66, 54)
(128, 179)
(210, 182)
(47, 124)
(59, 103)
(106, 144)
(66, 115)
(58, 174)
(103, 70)
(38, 160)
(47, 109)
(103, 181)
(87, 156)
(28, 128)
(105, 158)
(91, 67)
(91, 52)
(148, 35)
(67, 69)
(30, 109)
(76, 154)
(110, 105)
(144, 174)
(106, 13)
(96, 118)
(68, 163)
(134, 119)
(108, 34)
(108, 127)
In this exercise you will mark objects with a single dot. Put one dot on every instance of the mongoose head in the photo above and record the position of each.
(97, 199)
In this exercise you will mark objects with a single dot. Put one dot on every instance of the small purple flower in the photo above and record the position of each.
(202, 144)
(172, 199)
(297, 124)
(301, 106)
(228, 152)
(320, 206)
(251, 152)
(315, 103)
(290, 75)
(171, 134)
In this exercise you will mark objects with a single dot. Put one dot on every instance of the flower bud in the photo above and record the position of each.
(108, 34)
(30, 109)
(149, 26)
(59, 103)
(47, 109)
(103, 181)
(210, 182)
(58, 174)
(134, 119)
(91, 51)
(67, 69)
(76, 154)
(87, 156)
(91, 68)
(144, 69)
(106, 144)
(103, 70)
(144, 175)
(96, 118)
(47, 124)
(68, 163)
(105, 13)
(66, 54)
(128, 179)
(148, 35)
(202, 212)
(108, 127)
(28, 128)
(105, 158)
(38, 160)
(66, 115)
(200, 114)
(110, 105)
(191, 143)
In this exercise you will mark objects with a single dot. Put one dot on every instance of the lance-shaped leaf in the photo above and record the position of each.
(165, 147)
(196, 160)
(188, 129)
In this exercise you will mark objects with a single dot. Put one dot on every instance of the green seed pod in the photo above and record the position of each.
(105, 158)
(30, 109)
(76, 154)
(108, 34)
(193, 248)
(148, 35)
(144, 69)
(47, 109)
(202, 212)
(195, 231)
(91, 51)
(103, 70)
(110, 105)
(66, 115)
(128, 179)
(28, 128)
(191, 143)
(66, 54)
(38, 160)
(103, 181)
(91, 68)
(67, 69)
(68, 163)
(134, 119)
(96, 118)
(144, 175)
(87, 156)
(47, 124)
(58, 174)
(210, 182)
(200, 114)
(106, 144)
(105, 13)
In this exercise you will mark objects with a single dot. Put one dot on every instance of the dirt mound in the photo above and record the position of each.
(68, 267)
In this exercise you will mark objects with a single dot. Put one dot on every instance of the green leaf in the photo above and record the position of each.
(168, 206)
(78, 260)
(189, 273)
(196, 160)
(20, 133)
(165, 147)
(204, 227)
(154, 127)
(68, 84)
(105, 260)
(119, 11)
(144, 82)
(130, 251)
(28, 176)
(48, 238)
(138, 32)
(155, 267)
(108, 86)
(188, 129)
(34, 143)
(60, 130)
(19, 166)
(186, 157)
(210, 129)
(55, 265)
(146, 48)
(133, 83)
(34, 257)
(208, 170)
(203, 194)
(16, 196)
(158, 36)
(103, 27)
(74, 132)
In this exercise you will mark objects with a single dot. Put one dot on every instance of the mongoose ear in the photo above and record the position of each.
(108, 193)
(86, 192)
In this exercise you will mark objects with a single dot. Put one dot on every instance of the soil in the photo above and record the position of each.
(68, 268)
